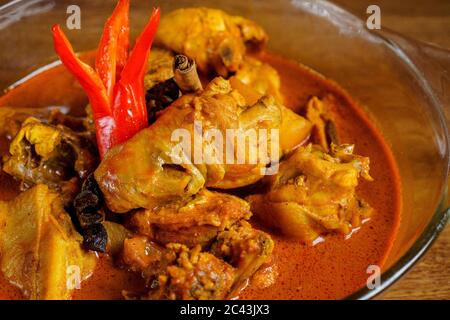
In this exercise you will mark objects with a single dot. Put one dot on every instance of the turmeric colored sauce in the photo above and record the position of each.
(108, 281)
(331, 269)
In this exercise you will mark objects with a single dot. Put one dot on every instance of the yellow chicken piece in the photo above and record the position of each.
(11, 118)
(195, 221)
(245, 248)
(41, 153)
(215, 40)
(44, 138)
(177, 272)
(40, 249)
(324, 130)
(155, 179)
(261, 77)
(292, 125)
(314, 193)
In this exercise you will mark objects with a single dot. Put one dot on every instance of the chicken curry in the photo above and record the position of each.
(98, 201)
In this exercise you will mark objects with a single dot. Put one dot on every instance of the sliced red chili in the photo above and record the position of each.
(116, 88)
(129, 108)
(112, 52)
(87, 76)
(92, 84)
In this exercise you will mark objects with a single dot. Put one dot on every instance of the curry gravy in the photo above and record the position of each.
(331, 269)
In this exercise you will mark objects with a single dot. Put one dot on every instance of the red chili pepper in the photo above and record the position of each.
(112, 52)
(116, 88)
(129, 108)
(92, 84)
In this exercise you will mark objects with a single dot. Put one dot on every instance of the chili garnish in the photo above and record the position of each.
(116, 87)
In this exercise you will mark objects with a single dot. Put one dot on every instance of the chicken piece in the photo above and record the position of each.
(41, 251)
(195, 221)
(165, 170)
(52, 155)
(245, 248)
(11, 119)
(314, 193)
(214, 39)
(160, 67)
(324, 130)
(192, 275)
(176, 272)
(292, 126)
(294, 131)
(260, 76)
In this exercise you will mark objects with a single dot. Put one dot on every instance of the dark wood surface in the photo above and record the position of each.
(425, 20)
(428, 21)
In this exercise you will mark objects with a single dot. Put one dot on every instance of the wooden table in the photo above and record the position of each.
(427, 21)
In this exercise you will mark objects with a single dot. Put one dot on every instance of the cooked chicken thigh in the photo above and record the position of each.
(245, 248)
(214, 39)
(314, 193)
(194, 221)
(261, 77)
(39, 246)
(176, 272)
(164, 169)
(52, 155)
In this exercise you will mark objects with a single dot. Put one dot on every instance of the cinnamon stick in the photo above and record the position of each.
(186, 76)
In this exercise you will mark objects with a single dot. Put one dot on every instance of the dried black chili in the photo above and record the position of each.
(160, 96)
(89, 214)
(95, 237)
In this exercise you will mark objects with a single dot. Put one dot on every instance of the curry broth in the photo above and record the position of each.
(332, 269)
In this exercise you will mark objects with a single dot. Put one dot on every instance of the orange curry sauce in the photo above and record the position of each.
(332, 269)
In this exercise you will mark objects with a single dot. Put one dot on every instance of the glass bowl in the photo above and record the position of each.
(402, 84)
